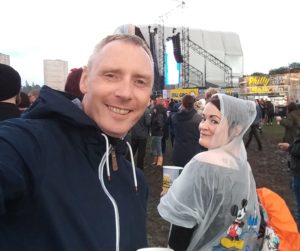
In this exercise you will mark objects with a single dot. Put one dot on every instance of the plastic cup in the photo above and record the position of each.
(170, 173)
(155, 249)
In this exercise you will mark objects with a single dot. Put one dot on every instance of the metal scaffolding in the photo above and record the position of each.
(211, 58)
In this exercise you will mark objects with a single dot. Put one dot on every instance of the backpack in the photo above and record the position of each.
(280, 226)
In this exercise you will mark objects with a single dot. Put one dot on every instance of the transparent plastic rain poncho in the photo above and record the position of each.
(215, 182)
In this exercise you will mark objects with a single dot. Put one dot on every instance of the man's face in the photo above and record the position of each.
(117, 87)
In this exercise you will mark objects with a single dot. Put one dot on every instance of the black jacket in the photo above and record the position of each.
(8, 111)
(141, 129)
(51, 197)
(186, 129)
(294, 151)
(158, 120)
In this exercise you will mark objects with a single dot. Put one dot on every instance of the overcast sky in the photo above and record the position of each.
(34, 30)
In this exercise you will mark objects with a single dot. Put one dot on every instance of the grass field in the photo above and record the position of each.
(274, 132)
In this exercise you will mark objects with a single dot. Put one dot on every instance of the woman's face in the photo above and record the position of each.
(209, 123)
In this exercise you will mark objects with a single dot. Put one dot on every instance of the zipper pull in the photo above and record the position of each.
(114, 159)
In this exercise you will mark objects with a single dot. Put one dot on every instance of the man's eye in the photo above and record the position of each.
(110, 75)
(140, 82)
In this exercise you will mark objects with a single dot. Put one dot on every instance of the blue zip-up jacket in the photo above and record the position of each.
(51, 197)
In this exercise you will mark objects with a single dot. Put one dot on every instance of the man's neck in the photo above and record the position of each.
(10, 100)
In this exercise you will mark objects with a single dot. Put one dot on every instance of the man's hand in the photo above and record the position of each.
(283, 146)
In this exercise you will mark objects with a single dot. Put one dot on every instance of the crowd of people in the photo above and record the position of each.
(68, 175)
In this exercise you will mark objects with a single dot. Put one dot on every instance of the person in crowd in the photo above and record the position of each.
(24, 101)
(152, 103)
(209, 92)
(157, 129)
(166, 129)
(199, 106)
(64, 183)
(186, 123)
(171, 104)
(294, 166)
(33, 95)
(213, 204)
(263, 107)
(255, 127)
(291, 123)
(172, 111)
(270, 112)
(73, 81)
(139, 136)
(10, 87)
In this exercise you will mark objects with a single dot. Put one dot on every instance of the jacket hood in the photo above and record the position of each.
(52, 103)
(186, 114)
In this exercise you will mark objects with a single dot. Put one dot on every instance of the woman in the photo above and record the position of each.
(158, 120)
(186, 123)
(213, 204)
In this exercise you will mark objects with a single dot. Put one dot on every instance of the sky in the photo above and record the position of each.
(34, 30)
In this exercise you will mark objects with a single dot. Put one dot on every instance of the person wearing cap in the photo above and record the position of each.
(65, 183)
(10, 86)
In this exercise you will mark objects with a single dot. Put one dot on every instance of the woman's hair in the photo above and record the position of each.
(188, 101)
(215, 101)
(73, 81)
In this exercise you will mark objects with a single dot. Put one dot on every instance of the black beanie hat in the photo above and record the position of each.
(10, 82)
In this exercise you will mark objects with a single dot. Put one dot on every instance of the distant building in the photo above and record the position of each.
(55, 73)
(4, 59)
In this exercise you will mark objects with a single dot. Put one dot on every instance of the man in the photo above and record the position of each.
(33, 95)
(139, 136)
(158, 131)
(255, 127)
(64, 182)
(10, 86)
(210, 92)
(294, 166)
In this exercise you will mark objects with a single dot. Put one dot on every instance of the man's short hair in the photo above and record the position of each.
(133, 39)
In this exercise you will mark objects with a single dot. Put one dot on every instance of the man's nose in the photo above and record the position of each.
(125, 90)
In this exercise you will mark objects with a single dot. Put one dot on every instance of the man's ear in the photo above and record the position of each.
(83, 85)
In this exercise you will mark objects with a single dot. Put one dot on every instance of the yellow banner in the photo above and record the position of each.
(179, 93)
(257, 81)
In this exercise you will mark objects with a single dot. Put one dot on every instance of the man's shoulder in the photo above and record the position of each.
(19, 128)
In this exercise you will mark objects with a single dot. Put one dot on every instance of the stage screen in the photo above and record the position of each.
(172, 68)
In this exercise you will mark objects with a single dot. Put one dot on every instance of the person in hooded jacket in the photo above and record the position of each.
(213, 204)
(64, 184)
(139, 135)
(186, 123)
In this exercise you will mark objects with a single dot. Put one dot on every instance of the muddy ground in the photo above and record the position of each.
(269, 167)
